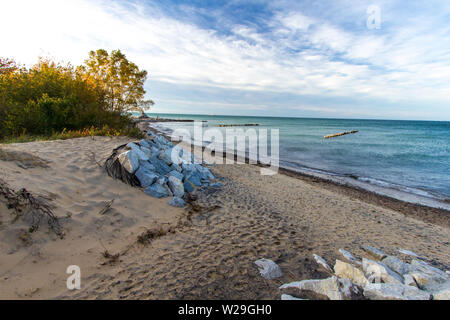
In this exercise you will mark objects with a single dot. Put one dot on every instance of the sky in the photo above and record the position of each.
(333, 59)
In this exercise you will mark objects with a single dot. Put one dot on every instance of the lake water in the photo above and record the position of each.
(409, 160)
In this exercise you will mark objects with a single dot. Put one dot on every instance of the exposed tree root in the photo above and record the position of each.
(30, 208)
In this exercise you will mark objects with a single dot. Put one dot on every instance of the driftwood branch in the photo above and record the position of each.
(107, 207)
(32, 208)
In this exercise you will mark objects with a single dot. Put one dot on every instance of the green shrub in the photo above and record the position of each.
(49, 99)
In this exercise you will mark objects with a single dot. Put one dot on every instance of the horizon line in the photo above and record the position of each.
(296, 117)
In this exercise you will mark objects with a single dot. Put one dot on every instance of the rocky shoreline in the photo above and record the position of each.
(161, 169)
(139, 247)
(382, 277)
(421, 212)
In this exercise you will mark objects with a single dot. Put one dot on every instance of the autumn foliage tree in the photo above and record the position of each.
(50, 97)
(8, 66)
(121, 80)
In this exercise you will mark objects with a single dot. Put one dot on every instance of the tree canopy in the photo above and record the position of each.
(50, 97)
(121, 80)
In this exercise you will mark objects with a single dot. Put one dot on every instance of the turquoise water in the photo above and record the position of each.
(411, 156)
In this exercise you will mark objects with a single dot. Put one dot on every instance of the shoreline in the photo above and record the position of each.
(424, 196)
(206, 253)
(429, 214)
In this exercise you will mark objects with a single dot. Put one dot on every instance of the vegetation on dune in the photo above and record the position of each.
(54, 101)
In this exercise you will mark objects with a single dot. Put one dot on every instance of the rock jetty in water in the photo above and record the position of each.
(237, 125)
(340, 134)
(160, 168)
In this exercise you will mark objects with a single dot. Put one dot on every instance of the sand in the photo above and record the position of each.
(207, 255)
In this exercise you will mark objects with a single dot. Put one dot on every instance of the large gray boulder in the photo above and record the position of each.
(176, 154)
(176, 167)
(347, 255)
(147, 151)
(441, 291)
(146, 177)
(428, 277)
(189, 187)
(146, 144)
(409, 280)
(379, 272)
(177, 203)
(205, 173)
(162, 142)
(268, 269)
(348, 289)
(160, 166)
(393, 291)
(348, 271)
(397, 265)
(129, 161)
(176, 186)
(157, 191)
(194, 178)
(374, 252)
(424, 267)
(138, 152)
(176, 174)
(321, 261)
(328, 287)
(166, 156)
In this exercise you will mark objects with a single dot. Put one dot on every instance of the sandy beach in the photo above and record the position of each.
(203, 254)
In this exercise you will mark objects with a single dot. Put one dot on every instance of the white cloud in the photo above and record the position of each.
(302, 55)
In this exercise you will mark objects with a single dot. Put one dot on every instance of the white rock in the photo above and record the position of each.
(147, 151)
(268, 269)
(374, 252)
(428, 277)
(347, 255)
(176, 186)
(427, 282)
(322, 262)
(379, 272)
(441, 292)
(129, 161)
(348, 288)
(141, 155)
(176, 155)
(409, 280)
(286, 297)
(392, 291)
(348, 271)
(397, 265)
(433, 272)
(420, 278)
(408, 253)
(328, 287)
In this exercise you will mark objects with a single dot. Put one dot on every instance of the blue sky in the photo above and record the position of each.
(265, 58)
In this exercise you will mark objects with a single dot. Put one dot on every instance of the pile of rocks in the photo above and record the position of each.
(381, 278)
(165, 170)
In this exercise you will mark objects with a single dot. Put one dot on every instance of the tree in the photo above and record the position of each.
(120, 79)
(7, 66)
